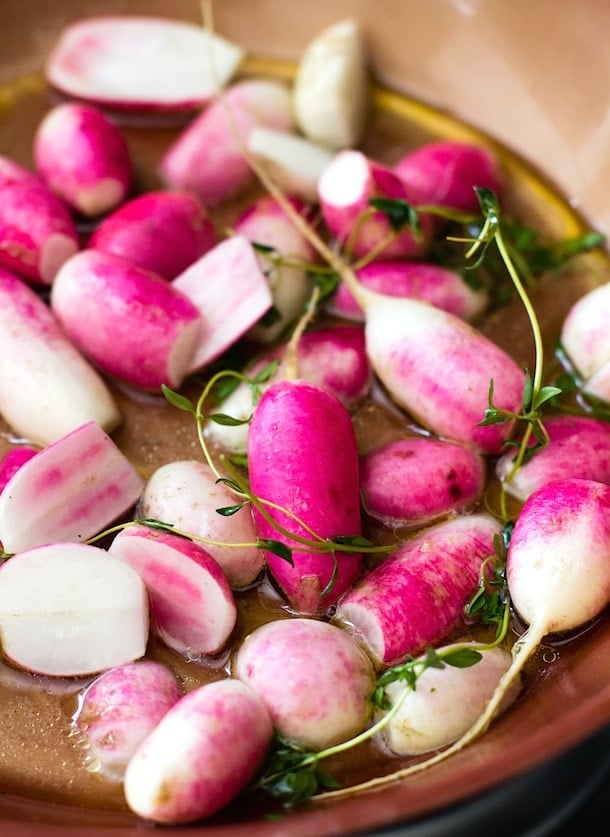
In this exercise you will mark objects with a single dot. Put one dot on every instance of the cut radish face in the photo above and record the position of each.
(141, 62)
(69, 491)
(70, 609)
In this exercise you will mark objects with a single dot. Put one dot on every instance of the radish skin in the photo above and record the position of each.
(12, 461)
(205, 750)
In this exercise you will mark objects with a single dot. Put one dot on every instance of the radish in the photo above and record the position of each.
(186, 494)
(141, 63)
(416, 596)
(585, 333)
(331, 96)
(207, 158)
(47, 388)
(83, 158)
(12, 461)
(70, 609)
(597, 387)
(416, 480)
(192, 608)
(131, 323)
(206, 749)
(161, 231)
(70, 491)
(230, 292)
(314, 679)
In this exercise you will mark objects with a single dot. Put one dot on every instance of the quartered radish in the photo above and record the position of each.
(187, 495)
(71, 490)
(90, 608)
(12, 461)
(131, 323)
(119, 709)
(416, 596)
(205, 750)
(192, 608)
(47, 388)
(161, 231)
(315, 680)
(230, 292)
(141, 62)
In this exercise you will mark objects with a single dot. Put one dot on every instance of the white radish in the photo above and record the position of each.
(47, 388)
(202, 754)
(141, 62)
(585, 333)
(70, 491)
(70, 609)
(192, 608)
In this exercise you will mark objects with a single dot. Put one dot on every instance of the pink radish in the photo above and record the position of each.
(192, 608)
(330, 680)
(302, 457)
(70, 491)
(207, 158)
(416, 480)
(119, 709)
(345, 188)
(47, 388)
(12, 461)
(129, 322)
(416, 597)
(444, 173)
(186, 494)
(202, 754)
(585, 333)
(83, 158)
(89, 607)
(161, 231)
(141, 63)
(230, 292)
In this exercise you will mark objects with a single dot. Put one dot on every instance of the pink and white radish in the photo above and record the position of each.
(131, 323)
(47, 388)
(585, 333)
(119, 709)
(331, 96)
(192, 608)
(315, 681)
(141, 62)
(201, 755)
(230, 292)
(83, 158)
(207, 158)
(416, 480)
(12, 461)
(417, 595)
(70, 491)
(161, 231)
(90, 608)
(303, 463)
(186, 495)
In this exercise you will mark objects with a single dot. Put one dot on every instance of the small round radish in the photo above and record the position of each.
(83, 158)
(129, 322)
(119, 709)
(161, 231)
(186, 494)
(585, 333)
(315, 680)
(202, 754)
(413, 481)
(12, 461)
(70, 609)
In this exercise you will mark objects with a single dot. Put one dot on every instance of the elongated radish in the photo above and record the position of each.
(141, 62)
(331, 680)
(119, 709)
(131, 323)
(415, 480)
(187, 495)
(204, 751)
(416, 597)
(303, 457)
(192, 608)
(161, 231)
(12, 461)
(83, 158)
(90, 608)
(47, 388)
(70, 491)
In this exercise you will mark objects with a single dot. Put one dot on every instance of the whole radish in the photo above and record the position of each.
(12, 461)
